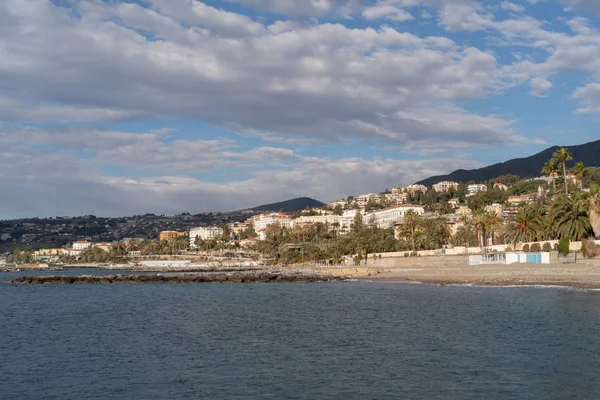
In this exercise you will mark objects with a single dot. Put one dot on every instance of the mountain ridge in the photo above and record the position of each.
(525, 167)
(292, 205)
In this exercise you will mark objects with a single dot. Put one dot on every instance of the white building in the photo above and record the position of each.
(445, 186)
(315, 219)
(472, 190)
(264, 220)
(204, 233)
(388, 217)
(81, 245)
(347, 219)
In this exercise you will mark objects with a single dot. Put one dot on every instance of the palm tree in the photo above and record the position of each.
(570, 216)
(525, 226)
(579, 170)
(550, 169)
(563, 155)
(409, 225)
(464, 236)
(594, 209)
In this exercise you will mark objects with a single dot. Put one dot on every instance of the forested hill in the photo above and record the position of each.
(588, 153)
(293, 205)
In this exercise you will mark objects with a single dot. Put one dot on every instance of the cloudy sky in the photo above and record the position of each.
(114, 107)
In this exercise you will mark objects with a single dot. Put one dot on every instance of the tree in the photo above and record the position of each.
(570, 216)
(550, 169)
(563, 155)
(525, 226)
(579, 170)
(409, 225)
(594, 209)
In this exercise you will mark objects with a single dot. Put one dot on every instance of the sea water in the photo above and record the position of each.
(346, 340)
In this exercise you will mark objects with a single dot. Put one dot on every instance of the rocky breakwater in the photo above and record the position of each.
(234, 277)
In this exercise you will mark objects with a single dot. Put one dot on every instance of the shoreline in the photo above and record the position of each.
(581, 275)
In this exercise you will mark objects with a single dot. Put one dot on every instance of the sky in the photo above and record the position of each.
(116, 108)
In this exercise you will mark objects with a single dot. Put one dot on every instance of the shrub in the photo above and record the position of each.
(406, 254)
(508, 248)
(590, 249)
(564, 246)
(547, 247)
(535, 247)
(526, 248)
(555, 246)
(413, 254)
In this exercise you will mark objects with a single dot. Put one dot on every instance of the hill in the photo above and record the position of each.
(293, 205)
(528, 167)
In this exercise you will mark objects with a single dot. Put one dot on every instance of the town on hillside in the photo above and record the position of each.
(505, 213)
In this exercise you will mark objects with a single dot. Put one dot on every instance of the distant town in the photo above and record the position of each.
(505, 211)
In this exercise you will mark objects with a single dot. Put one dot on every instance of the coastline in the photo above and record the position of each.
(583, 275)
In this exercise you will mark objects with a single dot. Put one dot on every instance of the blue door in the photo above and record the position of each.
(534, 258)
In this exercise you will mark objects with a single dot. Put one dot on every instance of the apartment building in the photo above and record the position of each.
(264, 220)
(445, 186)
(81, 245)
(412, 189)
(170, 235)
(363, 199)
(330, 219)
(388, 217)
(472, 190)
(204, 233)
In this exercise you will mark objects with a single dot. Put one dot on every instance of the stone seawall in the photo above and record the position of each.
(256, 277)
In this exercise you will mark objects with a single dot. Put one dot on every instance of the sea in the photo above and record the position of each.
(343, 340)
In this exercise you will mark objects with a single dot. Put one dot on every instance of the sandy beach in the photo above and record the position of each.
(585, 274)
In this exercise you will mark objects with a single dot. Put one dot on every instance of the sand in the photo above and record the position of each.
(585, 275)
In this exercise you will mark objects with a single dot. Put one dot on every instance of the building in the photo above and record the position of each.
(330, 219)
(264, 220)
(363, 199)
(445, 186)
(170, 235)
(509, 258)
(5, 236)
(412, 189)
(495, 209)
(453, 202)
(500, 186)
(81, 245)
(238, 227)
(204, 233)
(334, 204)
(464, 210)
(347, 219)
(524, 198)
(387, 218)
(397, 197)
(103, 246)
(472, 190)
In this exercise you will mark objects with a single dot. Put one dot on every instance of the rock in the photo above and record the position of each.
(217, 277)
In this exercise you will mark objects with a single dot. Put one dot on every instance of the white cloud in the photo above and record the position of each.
(589, 97)
(540, 87)
(325, 81)
(387, 10)
(71, 187)
(508, 6)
